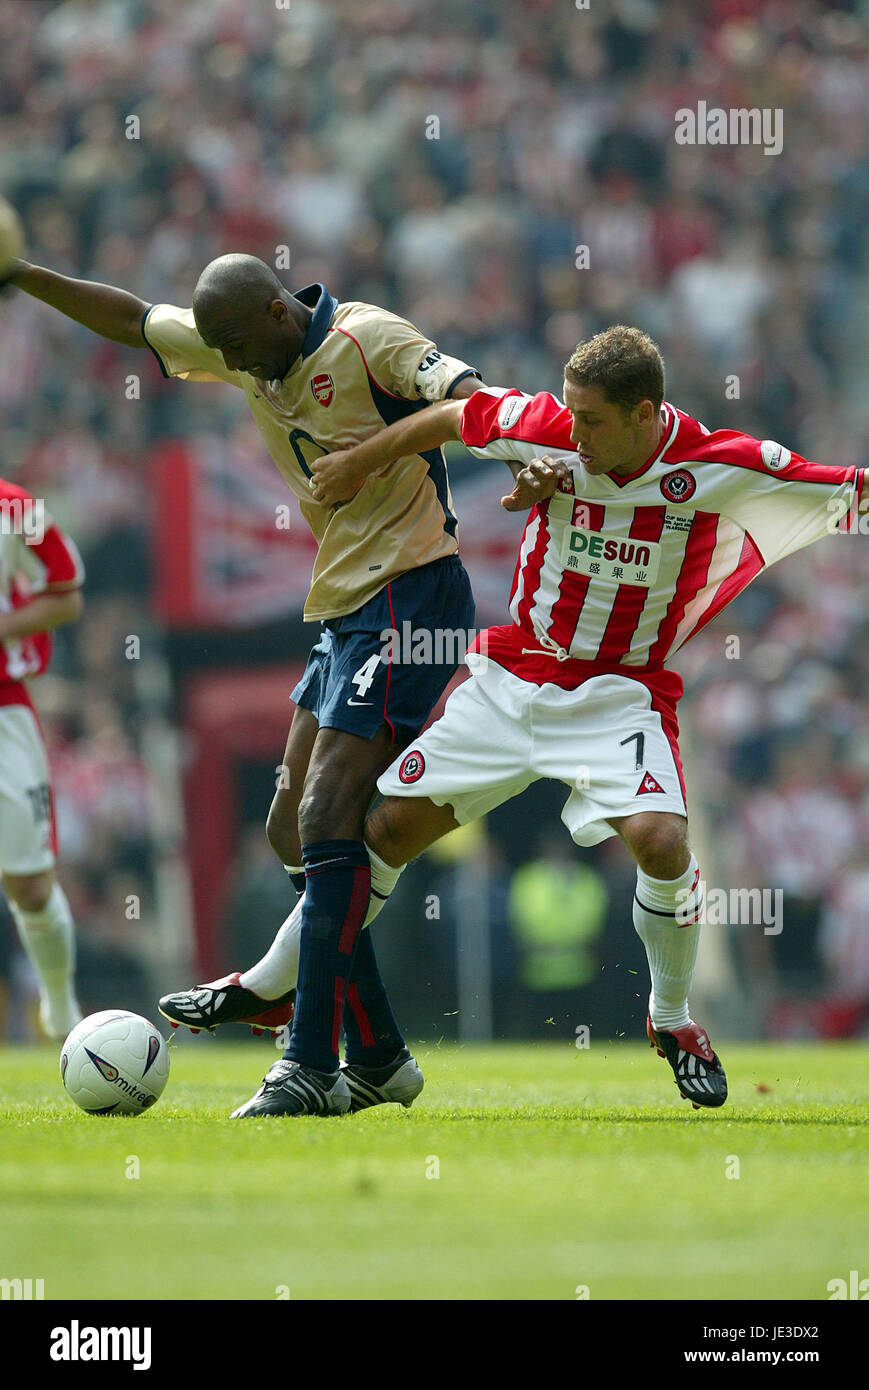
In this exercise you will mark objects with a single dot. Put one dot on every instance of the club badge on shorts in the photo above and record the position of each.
(412, 767)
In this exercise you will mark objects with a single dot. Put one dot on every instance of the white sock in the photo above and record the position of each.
(278, 970)
(383, 880)
(659, 906)
(48, 937)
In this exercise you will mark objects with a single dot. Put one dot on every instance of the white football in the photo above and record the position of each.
(11, 237)
(114, 1063)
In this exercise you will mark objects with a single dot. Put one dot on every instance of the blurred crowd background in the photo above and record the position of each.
(449, 162)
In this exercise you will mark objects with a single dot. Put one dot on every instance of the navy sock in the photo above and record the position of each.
(337, 888)
(372, 1034)
(298, 882)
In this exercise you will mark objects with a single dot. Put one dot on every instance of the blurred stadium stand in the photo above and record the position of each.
(307, 127)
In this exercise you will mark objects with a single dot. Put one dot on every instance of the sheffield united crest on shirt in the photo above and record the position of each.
(679, 486)
(323, 388)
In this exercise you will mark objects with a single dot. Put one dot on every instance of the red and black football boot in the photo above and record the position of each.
(698, 1071)
(227, 1001)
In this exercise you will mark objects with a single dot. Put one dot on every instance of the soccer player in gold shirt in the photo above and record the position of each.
(319, 376)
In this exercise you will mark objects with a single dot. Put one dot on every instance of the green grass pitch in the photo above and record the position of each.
(558, 1169)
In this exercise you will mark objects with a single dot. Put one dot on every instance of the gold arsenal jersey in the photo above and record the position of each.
(360, 368)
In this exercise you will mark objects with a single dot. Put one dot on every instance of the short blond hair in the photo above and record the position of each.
(624, 362)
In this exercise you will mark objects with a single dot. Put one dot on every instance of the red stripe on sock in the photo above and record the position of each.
(338, 1009)
(356, 911)
(365, 1030)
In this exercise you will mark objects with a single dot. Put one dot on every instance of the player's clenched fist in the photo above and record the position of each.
(535, 483)
(336, 477)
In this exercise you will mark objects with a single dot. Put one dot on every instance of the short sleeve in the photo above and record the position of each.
(172, 336)
(400, 358)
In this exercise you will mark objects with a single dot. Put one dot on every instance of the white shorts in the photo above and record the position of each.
(498, 734)
(27, 838)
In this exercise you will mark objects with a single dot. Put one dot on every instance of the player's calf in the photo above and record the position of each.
(46, 930)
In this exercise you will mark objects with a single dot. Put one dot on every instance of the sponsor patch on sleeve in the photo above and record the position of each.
(775, 456)
(510, 411)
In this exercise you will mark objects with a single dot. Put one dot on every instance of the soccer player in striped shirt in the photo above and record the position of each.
(640, 533)
(41, 575)
(319, 375)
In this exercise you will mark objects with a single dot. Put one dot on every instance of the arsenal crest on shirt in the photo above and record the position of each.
(323, 388)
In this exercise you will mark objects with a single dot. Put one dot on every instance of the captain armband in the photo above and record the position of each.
(436, 374)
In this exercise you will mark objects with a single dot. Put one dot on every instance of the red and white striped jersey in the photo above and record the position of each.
(35, 557)
(622, 571)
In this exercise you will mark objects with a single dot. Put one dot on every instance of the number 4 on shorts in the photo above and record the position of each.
(364, 677)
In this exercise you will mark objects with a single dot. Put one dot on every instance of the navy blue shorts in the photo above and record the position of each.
(359, 676)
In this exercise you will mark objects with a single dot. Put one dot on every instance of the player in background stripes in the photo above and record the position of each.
(41, 575)
(640, 531)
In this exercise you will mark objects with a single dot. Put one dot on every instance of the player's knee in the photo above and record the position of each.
(384, 836)
(661, 847)
(331, 815)
(282, 832)
(341, 780)
(316, 820)
(29, 891)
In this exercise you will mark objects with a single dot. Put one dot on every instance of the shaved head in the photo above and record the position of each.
(241, 309)
(235, 282)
